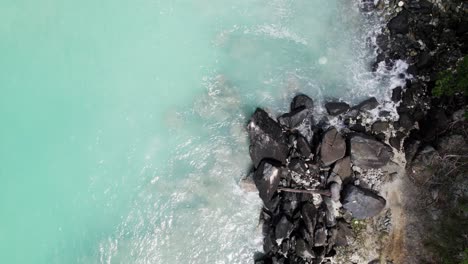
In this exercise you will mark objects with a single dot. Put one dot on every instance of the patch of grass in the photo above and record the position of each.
(450, 82)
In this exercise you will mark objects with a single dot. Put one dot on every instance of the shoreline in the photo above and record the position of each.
(322, 184)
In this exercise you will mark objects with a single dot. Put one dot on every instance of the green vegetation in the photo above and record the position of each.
(448, 82)
(448, 241)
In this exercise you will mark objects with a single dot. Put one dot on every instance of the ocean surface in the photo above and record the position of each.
(122, 122)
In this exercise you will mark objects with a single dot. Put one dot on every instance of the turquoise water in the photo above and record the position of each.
(122, 122)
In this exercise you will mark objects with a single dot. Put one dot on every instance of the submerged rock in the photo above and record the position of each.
(336, 108)
(368, 153)
(333, 147)
(247, 184)
(267, 140)
(362, 203)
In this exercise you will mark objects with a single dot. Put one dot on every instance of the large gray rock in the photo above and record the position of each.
(342, 168)
(333, 147)
(267, 140)
(362, 203)
(267, 178)
(368, 153)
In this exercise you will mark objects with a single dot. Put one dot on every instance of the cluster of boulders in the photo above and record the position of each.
(431, 36)
(304, 174)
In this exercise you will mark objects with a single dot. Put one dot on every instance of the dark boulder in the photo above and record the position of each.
(267, 178)
(362, 203)
(269, 243)
(302, 101)
(303, 147)
(309, 215)
(320, 237)
(406, 121)
(368, 153)
(267, 140)
(283, 228)
(424, 60)
(345, 234)
(396, 94)
(399, 24)
(299, 120)
(396, 140)
(297, 165)
(358, 127)
(333, 147)
(380, 126)
(367, 104)
(336, 108)
(303, 249)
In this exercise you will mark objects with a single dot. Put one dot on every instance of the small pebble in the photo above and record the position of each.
(401, 3)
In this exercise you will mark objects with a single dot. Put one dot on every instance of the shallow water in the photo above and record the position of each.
(122, 135)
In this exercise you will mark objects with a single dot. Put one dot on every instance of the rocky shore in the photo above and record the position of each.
(306, 175)
(321, 183)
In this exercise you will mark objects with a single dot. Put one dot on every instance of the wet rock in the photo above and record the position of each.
(283, 228)
(333, 147)
(303, 249)
(336, 108)
(380, 126)
(368, 153)
(303, 147)
(399, 24)
(358, 127)
(269, 243)
(299, 120)
(343, 168)
(396, 140)
(362, 203)
(396, 94)
(309, 215)
(320, 237)
(297, 165)
(424, 60)
(367, 105)
(267, 178)
(405, 121)
(302, 101)
(267, 140)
